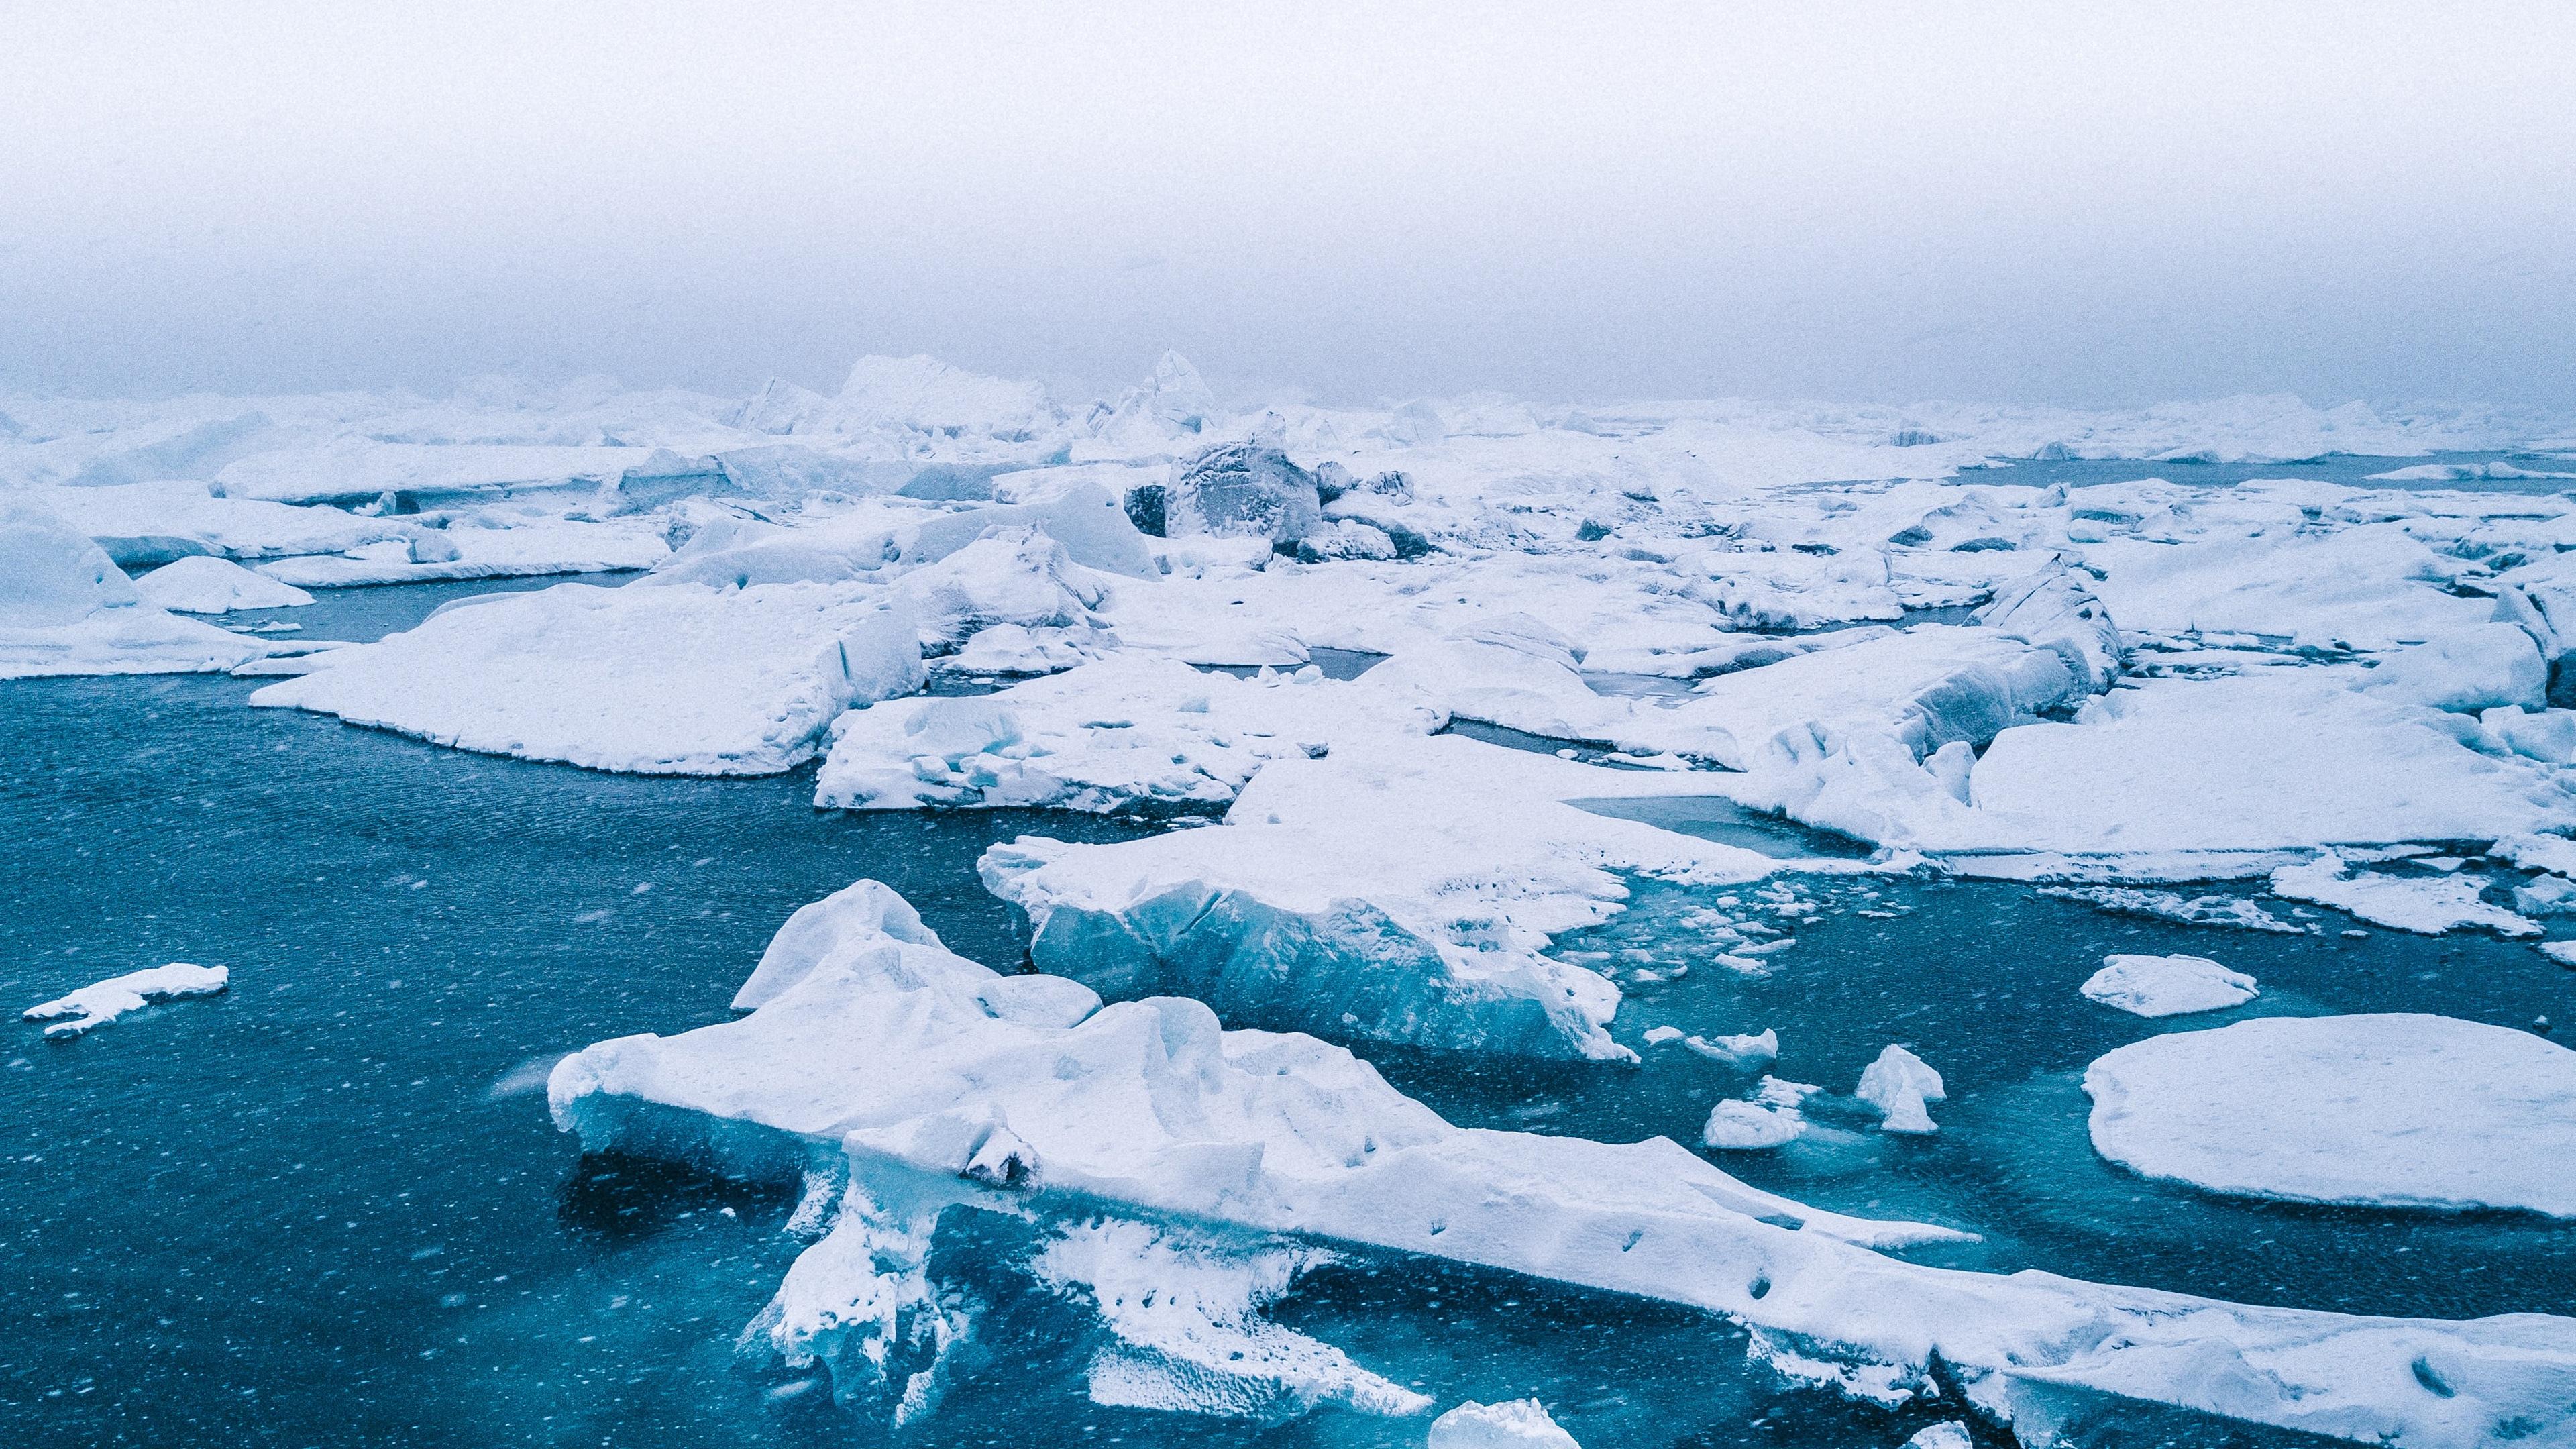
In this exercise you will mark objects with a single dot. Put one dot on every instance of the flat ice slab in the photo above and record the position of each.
(98, 1004)
(2398, 1110)
(683, 680)
(2167, 985)
(2426, 905)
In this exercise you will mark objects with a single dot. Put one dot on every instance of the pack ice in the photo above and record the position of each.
(2398, 1109)
(903, 1082)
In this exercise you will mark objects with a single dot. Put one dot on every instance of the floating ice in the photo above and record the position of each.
(2232, 911)
(2483, 666)
(673, 681)
(917, 1081)
(204, 585)
(2167, 985)
(65, 608)
(2427, 905)
(1516, 1424)
(2399, 1110)
(96, 1005)
(1754, 1050)
(1950, 1435)
(1771, 1119)
(1900, 1085)
(1333, 899)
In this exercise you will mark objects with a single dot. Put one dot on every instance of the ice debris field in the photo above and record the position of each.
(1352, 756)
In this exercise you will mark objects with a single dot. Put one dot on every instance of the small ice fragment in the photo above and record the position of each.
(97, 1005)
(1742, 1051)
(1949, 1435)
(2428, 906)
(1899, 1085)
(1771, 1119)
(2562, 952)
(1658, 1035)
(2167, 985)
(1520, 1424)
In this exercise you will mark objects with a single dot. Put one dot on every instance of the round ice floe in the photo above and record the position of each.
(2167, 985)
(2399, 1109)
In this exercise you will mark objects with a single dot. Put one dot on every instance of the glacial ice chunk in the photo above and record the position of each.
(1899, 1084)
(2394, 1110)
(1241, 490)
(96, 1005)
(1516, 1424)
(2167, 985)
(2483, 666)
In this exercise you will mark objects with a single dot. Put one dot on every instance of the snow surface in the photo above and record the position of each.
(901, 1079)
(1514, 1424)
(2167, 985)
(681, 680)
(2401, 1110)
(66, 608)
(96, 1005)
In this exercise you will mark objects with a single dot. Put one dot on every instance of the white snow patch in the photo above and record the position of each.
(2426, 905)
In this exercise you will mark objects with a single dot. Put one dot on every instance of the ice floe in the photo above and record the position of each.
(681, 680)
(1351, 896)
(2167, 985)
(96, 1005)
(2428, 905)
(903, 1080)
(2398, 1109)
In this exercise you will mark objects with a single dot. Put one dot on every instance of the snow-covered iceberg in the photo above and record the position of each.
(66, 608)
(903, 1081)
(685, 680)
(2167, 985)
(1399, 889)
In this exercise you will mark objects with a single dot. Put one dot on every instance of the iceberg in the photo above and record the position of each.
(1899, 1084)
(66, 608)
(1354, 896)
(670, 681)
(2392, 1110)
(903, 1082)
(2167, 985)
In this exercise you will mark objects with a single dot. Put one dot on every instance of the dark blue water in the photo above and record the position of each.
(328, 1208)
(2350, 470)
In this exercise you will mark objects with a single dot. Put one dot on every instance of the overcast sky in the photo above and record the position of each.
(2084, 204)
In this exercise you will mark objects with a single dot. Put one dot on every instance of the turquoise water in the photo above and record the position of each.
(328, 1208)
